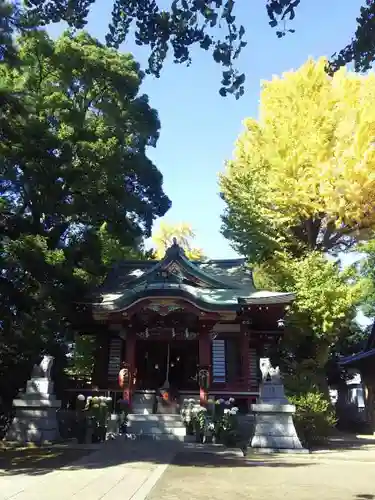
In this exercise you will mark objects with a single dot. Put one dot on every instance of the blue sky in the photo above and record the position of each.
(199, 128)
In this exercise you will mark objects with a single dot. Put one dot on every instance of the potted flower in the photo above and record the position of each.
(187, 415)
(225, 421)
(209, 432)
(97, 411)
(199, 422)
(229, 426)
(102, 418)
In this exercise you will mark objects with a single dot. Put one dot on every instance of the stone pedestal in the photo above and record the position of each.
(35, 410)
(274, 429)
(272, 393)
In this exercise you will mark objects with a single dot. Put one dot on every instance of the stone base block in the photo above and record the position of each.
(30, 432)
(36, 413)
(32, 401)
(269, 451)
(274, 428)
(33, 423)
(276, 442)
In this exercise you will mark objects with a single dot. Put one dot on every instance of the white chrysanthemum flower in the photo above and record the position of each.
(234, 410)
(227, 403)
(109, 400)
(89, 398)
(226, 411)
(81, 397)
(231, 400)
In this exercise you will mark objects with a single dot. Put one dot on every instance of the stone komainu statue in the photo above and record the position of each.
(269, 374)
(43, 370)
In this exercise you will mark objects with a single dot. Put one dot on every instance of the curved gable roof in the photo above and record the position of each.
(216, 283)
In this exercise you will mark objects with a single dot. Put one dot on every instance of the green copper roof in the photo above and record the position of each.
(211, 284)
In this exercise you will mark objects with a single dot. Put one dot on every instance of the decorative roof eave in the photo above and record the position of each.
(205, 277)
(264, 297)
(204, 299)
(175, 254)
(352, 360)
(121, 302)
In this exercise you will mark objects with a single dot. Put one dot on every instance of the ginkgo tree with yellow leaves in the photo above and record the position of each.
(302, 185)
(184, 234)
(303, 174)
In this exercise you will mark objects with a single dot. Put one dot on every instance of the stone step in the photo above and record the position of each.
(171, 417)
(151, 427)
(141, 410)
(155, 423)
(162, 437)
(161, 427)
(176, 431)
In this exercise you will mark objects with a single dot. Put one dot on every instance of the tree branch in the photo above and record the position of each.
(312, 230)
(330, 229)
(55, 234)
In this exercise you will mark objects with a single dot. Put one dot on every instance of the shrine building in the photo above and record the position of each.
(188, 326)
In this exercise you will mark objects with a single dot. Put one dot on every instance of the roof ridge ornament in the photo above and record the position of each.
(174, 250)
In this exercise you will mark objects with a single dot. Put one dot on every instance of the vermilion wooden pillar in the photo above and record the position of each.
(245, 369)
(204, 363)
(130, 361)
(245, 362)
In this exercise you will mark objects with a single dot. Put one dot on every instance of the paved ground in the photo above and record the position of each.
(124, 470)
(344, 475)
(37, 460)
(120, 470)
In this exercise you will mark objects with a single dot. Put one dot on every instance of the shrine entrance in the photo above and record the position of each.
(174, 362)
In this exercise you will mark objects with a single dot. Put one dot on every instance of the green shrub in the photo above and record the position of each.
(314, 419)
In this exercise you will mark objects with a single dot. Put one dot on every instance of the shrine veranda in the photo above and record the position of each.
(192, 327)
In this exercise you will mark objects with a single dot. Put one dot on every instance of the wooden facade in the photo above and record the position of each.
(175, 321)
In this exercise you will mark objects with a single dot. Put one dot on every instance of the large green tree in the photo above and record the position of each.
(81, 347)
(9, 19)
(73, 155)
(321, 320)
(185, 23)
